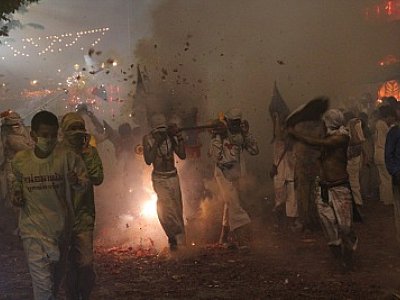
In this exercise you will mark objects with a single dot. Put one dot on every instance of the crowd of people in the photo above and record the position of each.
(324, 172)
(50, 173)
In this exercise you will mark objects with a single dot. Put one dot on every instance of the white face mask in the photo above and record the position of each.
(46, 145)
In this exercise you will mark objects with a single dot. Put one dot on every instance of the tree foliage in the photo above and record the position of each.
(7, 8)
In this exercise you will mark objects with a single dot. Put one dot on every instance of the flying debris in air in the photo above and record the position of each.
(110, 61)
(100, 92)
(91, 51)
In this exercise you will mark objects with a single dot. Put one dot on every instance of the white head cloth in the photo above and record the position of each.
(233, 114)
(335, 122)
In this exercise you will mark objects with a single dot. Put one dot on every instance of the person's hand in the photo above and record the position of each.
(245, 127)
(179, 136)
(18, 199)
(72, 177)
(219, 127)
(173, 130)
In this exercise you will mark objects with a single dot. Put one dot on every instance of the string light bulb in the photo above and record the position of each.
(57, 41)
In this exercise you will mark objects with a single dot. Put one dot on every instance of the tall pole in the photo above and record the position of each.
(130, 24)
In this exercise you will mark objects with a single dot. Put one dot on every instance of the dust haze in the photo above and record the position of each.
(224, 53)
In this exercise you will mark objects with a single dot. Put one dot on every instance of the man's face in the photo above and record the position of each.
(234, 125)
(45, 131)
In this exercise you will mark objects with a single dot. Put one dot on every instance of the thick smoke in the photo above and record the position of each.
(219, 54)
(214, 55)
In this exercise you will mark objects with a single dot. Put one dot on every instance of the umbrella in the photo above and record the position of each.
(311, 111)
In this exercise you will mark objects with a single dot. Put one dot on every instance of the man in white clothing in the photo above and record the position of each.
(226, 149)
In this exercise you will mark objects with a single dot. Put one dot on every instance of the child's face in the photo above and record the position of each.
(76, 126)
(45, 131)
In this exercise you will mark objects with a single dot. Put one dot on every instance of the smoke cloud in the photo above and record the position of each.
(224, 53)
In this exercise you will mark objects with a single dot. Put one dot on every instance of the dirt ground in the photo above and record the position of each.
(282, 265)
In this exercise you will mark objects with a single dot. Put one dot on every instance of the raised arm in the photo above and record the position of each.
(150, 148)
(179, 146)
(329, 141)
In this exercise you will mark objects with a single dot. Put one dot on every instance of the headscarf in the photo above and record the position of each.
(69, 119)
(234, 114)
(72, 137)
(335, 122)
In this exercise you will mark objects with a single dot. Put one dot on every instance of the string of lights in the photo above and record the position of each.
(53, 43)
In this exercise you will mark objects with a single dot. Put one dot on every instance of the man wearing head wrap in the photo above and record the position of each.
(334, 198)
(80, 272)
(14, 137)
(159, 147)
(226, 147)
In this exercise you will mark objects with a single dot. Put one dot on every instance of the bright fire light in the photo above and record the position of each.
(149, 208)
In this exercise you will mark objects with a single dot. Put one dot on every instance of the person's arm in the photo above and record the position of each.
(76, 172)
(250, 143)
(329, 141)
(150, 150)
(94, 165)
(18, 143)
(179, 147)
(392, 143)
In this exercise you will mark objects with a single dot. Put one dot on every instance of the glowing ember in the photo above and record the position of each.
(149, 208)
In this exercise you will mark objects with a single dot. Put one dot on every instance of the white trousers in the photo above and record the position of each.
(234, 215)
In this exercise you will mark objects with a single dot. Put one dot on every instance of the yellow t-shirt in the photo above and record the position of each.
(46, 191)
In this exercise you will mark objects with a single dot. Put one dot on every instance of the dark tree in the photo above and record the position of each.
(7, 8)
